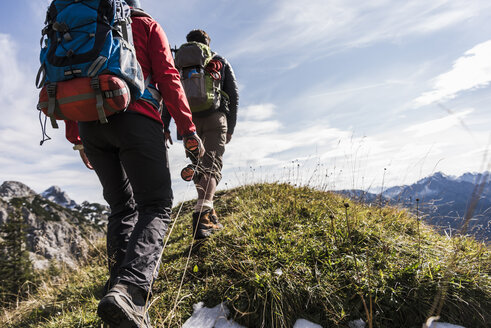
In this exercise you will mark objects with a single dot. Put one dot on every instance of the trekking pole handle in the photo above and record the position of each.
(192, 146)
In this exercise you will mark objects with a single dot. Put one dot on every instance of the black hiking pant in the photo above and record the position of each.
(130, 158)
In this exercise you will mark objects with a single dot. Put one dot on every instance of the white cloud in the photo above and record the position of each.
(438, 125)
(38, 9)
(324, 26)
(471, 71)
(274, 148)
(11, 77)
(325, 156)
(257, 112)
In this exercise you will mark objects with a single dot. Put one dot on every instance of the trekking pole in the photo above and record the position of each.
(166, 241)
(176, 302)
(191, 145)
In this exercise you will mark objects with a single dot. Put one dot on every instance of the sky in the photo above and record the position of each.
(333, 93)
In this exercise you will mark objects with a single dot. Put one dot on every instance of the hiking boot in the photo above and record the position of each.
(124, 307)
(205, 223)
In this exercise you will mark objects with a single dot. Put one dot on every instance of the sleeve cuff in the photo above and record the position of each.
(189, 134)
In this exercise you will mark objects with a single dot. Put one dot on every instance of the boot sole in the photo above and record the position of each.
(205, 233)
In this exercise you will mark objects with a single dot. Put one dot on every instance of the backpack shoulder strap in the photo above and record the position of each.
(137, 12)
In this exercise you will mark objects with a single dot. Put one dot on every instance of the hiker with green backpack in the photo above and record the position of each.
(211, 89)
(105, 66)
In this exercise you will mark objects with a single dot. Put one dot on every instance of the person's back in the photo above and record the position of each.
(130, 158)
(215, 126)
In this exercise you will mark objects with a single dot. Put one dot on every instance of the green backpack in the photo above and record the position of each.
(200, 76)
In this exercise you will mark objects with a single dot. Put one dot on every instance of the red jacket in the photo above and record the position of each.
(154, 55)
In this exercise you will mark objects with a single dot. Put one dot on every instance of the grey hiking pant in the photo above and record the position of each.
(130, 159)
(212, 129)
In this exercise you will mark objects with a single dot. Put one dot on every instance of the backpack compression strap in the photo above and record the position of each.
(51, 90)
(95, 84)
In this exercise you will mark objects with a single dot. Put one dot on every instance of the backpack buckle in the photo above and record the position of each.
(95, 84)
(60, 27)
(51, 89)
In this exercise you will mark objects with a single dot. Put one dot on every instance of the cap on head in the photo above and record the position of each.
(133, 3)
(198, 36)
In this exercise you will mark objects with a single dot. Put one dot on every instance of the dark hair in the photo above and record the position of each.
(198, 36)
(133, 3)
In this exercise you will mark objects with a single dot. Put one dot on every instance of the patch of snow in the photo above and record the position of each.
(393, 192)
(474, 178)
(427, 191)
(439, 176)
(216, 317)
(56, 195)
(302, 323)
(357, 324)
(444, 325)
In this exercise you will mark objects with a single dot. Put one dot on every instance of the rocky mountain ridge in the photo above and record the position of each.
(443, 201)
(57, 228)
(56, 195)
(10, 189)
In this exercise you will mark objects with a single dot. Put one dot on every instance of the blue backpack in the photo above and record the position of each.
(85, 39)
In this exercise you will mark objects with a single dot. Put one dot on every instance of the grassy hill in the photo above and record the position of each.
(290, 253)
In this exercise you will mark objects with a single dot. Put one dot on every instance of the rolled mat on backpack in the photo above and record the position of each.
(85, 99)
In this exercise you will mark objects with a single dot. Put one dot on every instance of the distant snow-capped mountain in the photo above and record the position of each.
(56, 195)
(91, 211)
(443, 200)
(473, 178)
(438, 182)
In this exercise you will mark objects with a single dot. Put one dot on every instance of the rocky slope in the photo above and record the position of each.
(57, 228)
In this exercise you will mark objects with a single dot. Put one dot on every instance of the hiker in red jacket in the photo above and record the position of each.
(130, 158)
